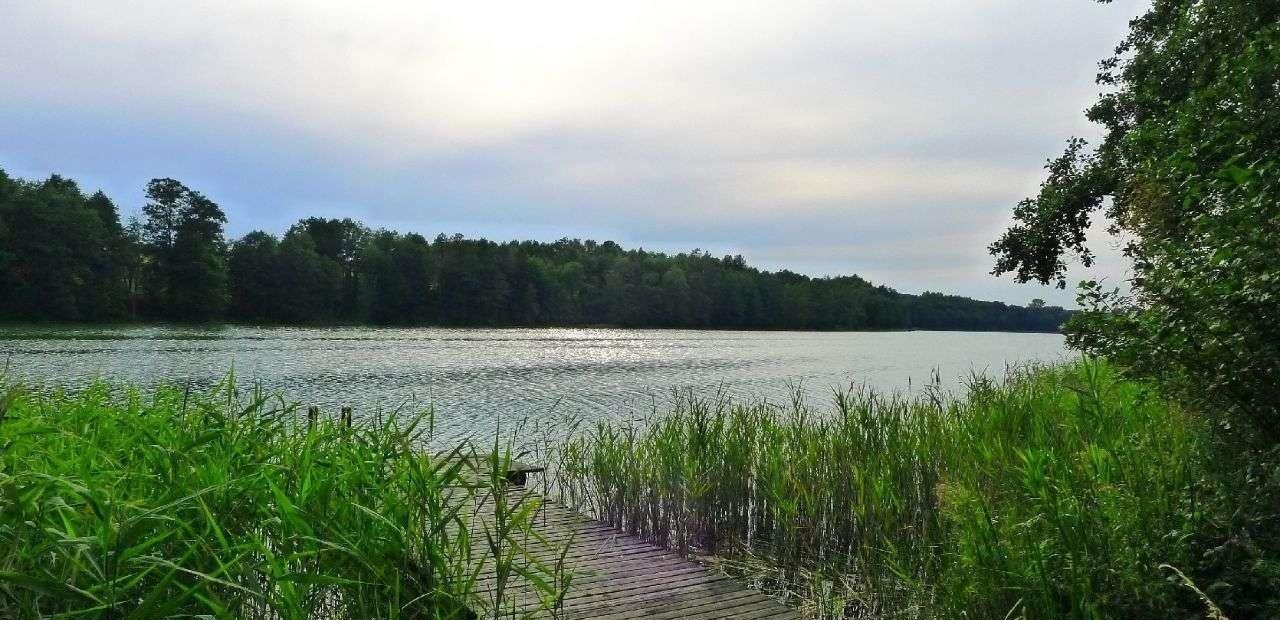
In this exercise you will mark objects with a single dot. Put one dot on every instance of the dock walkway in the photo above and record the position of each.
(614, 576)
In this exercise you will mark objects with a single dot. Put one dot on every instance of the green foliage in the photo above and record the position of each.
(392, 278)
(174, 264)
(187, 274)
(60, 253)
(341, 242)
(117, 504)
(308, 285)
(251, 265)
(1060, 493)
(1189, 166)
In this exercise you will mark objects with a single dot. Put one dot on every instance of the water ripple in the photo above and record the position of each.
(478, 380)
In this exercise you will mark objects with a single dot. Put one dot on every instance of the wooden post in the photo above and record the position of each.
(313, 414)
(346, 417)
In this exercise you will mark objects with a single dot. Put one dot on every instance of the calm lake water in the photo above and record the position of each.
(476, 378)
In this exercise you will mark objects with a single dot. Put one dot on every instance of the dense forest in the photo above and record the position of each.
(66, 256)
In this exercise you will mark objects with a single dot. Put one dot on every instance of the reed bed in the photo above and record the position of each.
(1059, 492)
(120, 504)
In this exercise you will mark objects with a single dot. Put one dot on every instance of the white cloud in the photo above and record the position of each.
(638, 118)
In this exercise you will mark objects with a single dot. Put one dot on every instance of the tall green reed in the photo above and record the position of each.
(119, 504)
(1057, 493)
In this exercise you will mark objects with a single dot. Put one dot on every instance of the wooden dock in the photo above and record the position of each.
(612, 576)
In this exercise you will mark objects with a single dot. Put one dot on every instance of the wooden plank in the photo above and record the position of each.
(729, 604)
(614, 576)
(693, 607)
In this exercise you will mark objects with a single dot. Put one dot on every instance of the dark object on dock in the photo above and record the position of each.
(518, 473)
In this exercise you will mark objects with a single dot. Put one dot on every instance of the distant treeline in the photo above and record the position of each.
(66, 256)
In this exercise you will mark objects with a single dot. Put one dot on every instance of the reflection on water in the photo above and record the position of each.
(477, 378)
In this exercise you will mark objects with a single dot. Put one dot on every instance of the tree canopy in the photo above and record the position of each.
(59, 256)
(1187, 171)
(67, 256)
(183, 239)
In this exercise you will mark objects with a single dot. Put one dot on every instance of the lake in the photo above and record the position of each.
(479, 378)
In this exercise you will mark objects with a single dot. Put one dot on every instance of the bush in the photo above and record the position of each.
(1189, 169)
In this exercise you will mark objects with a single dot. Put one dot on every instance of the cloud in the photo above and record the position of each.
(886, 139)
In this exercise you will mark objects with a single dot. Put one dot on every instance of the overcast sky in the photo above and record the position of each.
(887, 139)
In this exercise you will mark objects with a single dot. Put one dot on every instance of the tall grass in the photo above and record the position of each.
(1058, 493)
(117, 504)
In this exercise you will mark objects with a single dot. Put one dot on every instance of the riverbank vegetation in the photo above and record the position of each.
(1064, 492)
(66, 256)
(1188, 171)
(116, 504)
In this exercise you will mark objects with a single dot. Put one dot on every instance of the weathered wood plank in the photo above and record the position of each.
(614, 576)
